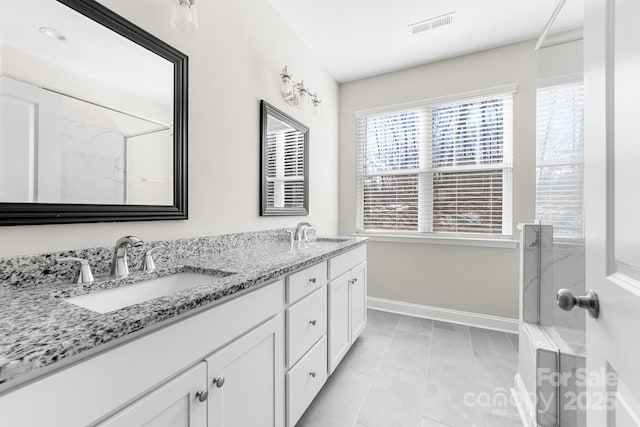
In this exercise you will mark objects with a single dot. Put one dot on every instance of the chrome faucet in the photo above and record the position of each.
(299, 234)
(119, 266)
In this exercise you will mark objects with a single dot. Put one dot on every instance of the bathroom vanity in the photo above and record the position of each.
(252, 348)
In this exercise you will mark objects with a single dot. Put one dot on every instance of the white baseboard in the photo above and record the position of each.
(478, 320)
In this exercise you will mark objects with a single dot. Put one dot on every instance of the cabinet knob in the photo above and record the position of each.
(312, 322)
(355, 280)
(313, 374)
(202, 395)
(218, 381)
(312, 280)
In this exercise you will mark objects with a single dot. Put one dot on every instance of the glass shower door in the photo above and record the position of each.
(559, 203)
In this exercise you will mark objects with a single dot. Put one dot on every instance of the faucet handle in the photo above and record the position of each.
(85, 275)
(149, 265)
(291, 234)
(305, 233)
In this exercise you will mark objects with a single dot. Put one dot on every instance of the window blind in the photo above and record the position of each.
(437, 168)
(560, 158)
(285, 169)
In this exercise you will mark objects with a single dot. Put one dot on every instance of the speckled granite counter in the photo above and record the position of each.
(40, 332)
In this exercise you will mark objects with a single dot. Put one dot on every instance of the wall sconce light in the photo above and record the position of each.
(296, 94)
(184, 15)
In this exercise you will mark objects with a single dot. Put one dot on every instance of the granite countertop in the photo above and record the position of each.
(40, 332)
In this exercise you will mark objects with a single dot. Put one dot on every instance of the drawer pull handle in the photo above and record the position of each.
(218, 381)
(312, 280)
(202, 395)
(313, 322)
(313, 374)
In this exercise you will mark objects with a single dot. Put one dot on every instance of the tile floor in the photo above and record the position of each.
(407, 371)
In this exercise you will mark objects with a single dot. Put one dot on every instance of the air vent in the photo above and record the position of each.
(431, 24)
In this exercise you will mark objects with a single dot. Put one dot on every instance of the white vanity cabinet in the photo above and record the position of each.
(247, 373)
(256, 360)
(347, 302)
(155, 378)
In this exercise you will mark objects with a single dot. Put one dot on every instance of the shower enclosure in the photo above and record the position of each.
(550, 384)
(551, 374)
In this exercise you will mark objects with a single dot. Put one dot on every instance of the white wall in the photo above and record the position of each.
(234, 62)
(481, 280)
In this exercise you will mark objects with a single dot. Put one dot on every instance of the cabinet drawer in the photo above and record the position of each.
(305, 380)
(340, 264)
(306, 281)
(306, 323)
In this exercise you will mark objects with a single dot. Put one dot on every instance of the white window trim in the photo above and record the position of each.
(503, 240)
(431, 102)
(435, 239)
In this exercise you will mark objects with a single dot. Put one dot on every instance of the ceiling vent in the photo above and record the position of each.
(431, 24)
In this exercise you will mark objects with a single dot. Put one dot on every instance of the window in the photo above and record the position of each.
(437, 167)
(560, 158)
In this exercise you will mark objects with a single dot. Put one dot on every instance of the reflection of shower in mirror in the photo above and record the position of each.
(60, 149)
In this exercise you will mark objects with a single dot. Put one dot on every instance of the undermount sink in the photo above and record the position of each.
(108, 300)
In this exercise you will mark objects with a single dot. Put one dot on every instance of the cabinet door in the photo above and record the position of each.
(173, 404)
(358, 300)
(339, 327)
(246, 379)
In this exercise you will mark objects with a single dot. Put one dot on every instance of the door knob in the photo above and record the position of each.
(590, 302)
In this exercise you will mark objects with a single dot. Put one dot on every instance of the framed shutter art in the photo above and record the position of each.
(285, 160)
(441, 166)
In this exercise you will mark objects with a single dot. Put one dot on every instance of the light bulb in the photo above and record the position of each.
(184, 15)
(286, 88)
(316, 103)
(303, 99)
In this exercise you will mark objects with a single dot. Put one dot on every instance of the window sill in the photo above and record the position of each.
(437, 240)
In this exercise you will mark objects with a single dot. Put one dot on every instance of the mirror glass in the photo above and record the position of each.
(285, 175)
(88, 104)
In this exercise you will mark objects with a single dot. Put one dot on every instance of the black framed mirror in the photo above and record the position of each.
(93, 117)
(285, 163)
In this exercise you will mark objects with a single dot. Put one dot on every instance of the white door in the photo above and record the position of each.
(612, 201)
(246, 379)
(29, 140)
(178, 403)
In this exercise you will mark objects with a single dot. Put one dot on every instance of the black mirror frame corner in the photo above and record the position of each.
(58, 213)
(267, 110)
